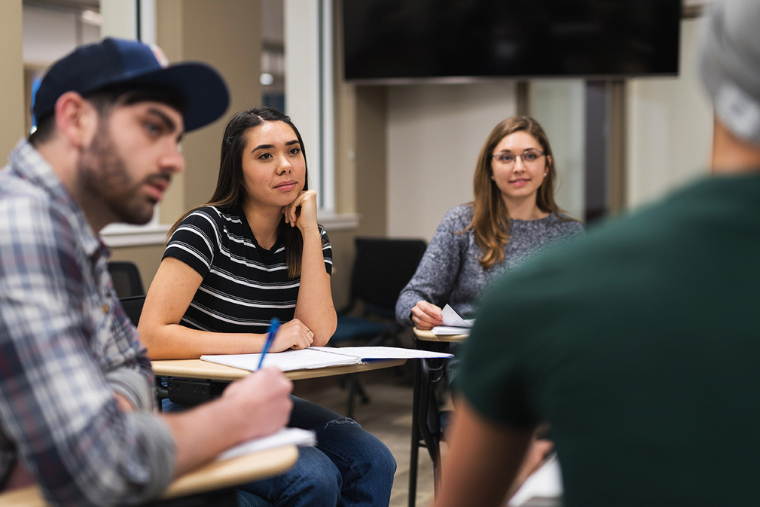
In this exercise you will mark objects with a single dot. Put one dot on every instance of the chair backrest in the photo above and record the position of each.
(383, 266)
(126, 279)
(133, 307)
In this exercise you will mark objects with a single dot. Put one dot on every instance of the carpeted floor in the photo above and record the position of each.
(388, 416)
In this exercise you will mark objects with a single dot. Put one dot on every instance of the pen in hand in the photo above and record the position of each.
(274, 324)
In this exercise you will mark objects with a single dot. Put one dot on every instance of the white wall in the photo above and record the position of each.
(119, 19)
(50, 34)
(435, 133)
(669, 126)
(559, 105)
(309, 92)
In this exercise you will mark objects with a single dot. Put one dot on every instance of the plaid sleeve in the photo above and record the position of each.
(55, 405)
(130, 372)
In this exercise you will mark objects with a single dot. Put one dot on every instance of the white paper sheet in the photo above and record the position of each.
(286, 436)
(546, 482)
(452, 319)
(319, 357)
(446, 330)
(288, 360)
(370, 353)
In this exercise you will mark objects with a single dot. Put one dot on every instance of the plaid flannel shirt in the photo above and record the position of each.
(66, 346)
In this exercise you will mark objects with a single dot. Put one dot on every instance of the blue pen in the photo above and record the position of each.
(274, 325)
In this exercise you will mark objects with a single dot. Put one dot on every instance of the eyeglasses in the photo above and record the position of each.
(528, 157)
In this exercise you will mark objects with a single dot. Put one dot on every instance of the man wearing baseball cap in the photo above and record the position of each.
(76, 404)
(640, 345)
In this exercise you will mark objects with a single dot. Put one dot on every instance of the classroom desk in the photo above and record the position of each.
(217, 475)
(193, 381)
(428, 336)
(196, 368)
(425, 425)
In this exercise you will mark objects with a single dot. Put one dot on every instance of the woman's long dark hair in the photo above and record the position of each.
(230, 191)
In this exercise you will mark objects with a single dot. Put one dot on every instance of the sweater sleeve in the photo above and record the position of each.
(439, 268)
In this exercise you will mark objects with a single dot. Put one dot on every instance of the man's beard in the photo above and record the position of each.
(104, 176)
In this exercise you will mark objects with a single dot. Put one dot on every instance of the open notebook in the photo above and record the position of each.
(286, 436)
(320, 357)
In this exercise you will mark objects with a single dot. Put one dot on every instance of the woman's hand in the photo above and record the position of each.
(426, 316)
(302, 212)
(292, 335)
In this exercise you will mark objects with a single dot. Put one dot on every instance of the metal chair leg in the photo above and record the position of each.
(414, 454)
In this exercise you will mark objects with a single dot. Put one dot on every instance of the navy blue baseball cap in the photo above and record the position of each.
(111, 62)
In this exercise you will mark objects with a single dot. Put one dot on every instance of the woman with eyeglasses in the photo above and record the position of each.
(512, 217)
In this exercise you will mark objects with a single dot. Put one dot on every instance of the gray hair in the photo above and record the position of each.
(730, 65)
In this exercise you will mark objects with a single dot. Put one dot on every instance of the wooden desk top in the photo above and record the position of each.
(215, 475)
(198, 369)
(428, 336)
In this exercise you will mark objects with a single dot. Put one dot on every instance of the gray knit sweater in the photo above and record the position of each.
(450, 272)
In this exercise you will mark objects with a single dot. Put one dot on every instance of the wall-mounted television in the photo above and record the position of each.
(397, 41)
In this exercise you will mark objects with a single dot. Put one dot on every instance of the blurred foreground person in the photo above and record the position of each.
(639, 346)
(76, 388)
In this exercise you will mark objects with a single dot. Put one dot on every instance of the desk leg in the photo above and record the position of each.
(414, 454)
(427, 413)
(161, 393)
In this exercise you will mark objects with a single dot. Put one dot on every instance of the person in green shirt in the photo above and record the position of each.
(639, 345)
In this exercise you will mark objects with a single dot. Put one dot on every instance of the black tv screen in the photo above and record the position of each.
(387, 41)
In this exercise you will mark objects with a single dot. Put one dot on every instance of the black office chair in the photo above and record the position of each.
(133, 307)
(126, 279)
(382, 267)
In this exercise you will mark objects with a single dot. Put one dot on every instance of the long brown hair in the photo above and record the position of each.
(230, 191)
(490, 219)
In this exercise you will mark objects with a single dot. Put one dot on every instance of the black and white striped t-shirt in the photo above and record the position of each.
(243, 285)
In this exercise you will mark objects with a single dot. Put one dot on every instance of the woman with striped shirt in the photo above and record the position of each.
(254, 252)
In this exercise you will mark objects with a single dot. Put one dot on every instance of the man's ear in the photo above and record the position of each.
(75, 118)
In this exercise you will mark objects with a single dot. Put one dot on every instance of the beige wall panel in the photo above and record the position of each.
(343, 258)
(345, 125)
(560, 106)
(227, 35)
(11, 77)
(371, 180)
(435, 133)
(345, 150)
(169, 38)
(345, 168)
(669, 126)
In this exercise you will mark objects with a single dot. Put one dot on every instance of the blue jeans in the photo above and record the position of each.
(348, 466)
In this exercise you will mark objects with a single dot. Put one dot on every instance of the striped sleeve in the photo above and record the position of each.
(326, 250)
(196, 241)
